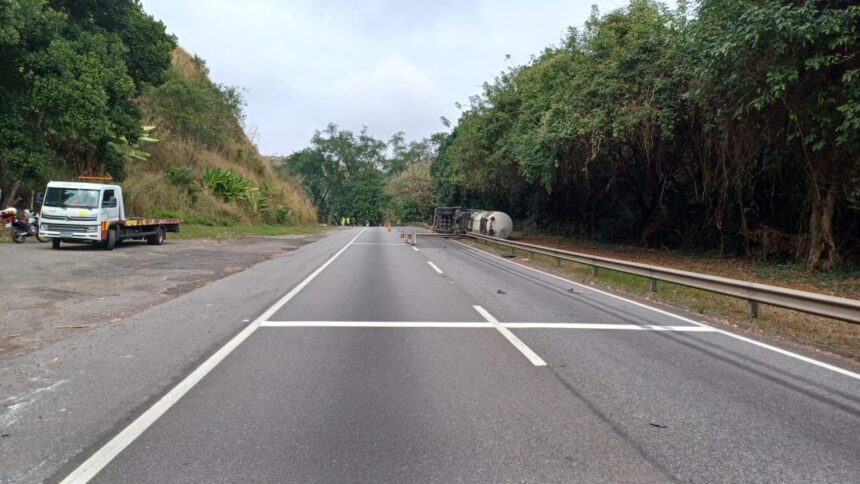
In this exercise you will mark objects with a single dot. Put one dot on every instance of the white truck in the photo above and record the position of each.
(94, 213)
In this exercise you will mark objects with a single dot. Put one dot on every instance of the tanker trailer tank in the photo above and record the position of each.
(494, 224)
(500, 225)
(478, 222)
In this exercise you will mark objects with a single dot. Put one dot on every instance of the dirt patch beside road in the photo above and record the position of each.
(49, 295)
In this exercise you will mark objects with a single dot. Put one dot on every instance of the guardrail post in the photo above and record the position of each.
(531, 255)
(753, 308)
(558, 261)
(594, 271)
(653, 285)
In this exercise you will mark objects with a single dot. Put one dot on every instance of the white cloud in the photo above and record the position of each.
(387, 64)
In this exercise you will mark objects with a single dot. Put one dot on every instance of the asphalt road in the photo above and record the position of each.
(361, 359)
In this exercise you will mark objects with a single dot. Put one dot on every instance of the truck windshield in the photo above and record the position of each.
(71, 197)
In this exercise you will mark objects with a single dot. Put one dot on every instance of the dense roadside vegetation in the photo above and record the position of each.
(98, 86)
(733, 126)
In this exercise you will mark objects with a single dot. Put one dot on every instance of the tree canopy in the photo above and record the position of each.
(363, 178)
(69, 75)
(733, 126)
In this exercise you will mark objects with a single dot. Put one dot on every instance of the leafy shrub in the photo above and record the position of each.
(231, 186)
(181, 175)
(184, 176)
(227, 184)
(284, 216)
(257, 200)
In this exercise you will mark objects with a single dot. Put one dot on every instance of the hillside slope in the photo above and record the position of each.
(203, 167)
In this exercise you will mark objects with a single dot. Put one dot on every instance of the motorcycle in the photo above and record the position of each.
(23, 227)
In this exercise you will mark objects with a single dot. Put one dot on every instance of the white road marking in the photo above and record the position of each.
(751, 341)
(435, 268)
(470, 324)
(373, 324)
(96, 462)
(518, 344)
(415, 248)
(625, 327)
(380, 243)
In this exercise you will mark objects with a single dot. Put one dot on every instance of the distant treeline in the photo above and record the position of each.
(364, 179)
(728, 125)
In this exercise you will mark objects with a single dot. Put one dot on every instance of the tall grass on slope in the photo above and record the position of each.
(199, 128)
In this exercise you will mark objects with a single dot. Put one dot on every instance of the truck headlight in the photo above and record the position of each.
(94, 228)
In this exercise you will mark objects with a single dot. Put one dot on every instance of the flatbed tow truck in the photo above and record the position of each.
(83, 212)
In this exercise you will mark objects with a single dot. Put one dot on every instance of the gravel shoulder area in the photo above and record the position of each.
(51, 295)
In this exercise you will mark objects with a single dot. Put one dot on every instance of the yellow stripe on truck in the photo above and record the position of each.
(135, 223)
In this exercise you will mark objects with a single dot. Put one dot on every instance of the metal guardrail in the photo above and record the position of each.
(807, 302)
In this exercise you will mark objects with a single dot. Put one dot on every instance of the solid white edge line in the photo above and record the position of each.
(511, 337)
(373, 324)
(101, 458)
(751, 341)
(435, 268)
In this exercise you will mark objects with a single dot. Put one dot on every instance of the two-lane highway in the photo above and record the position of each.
(389, 363)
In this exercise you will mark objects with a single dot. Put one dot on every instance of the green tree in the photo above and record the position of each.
(341, 172)
(148, 46)
(405, 154)
(733, 127)
(793, 69)
(68, 83)
(411, 193)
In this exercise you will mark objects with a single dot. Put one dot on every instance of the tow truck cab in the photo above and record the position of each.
(95, 213)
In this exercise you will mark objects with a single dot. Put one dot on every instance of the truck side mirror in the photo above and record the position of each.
(39, 198)
(110, 203)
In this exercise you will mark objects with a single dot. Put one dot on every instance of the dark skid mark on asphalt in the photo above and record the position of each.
(614, 427)
(690, 343)
(619, 314)
(688, 340)
(709, 349)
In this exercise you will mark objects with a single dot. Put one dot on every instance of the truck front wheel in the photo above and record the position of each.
(110, 242)
(157, 238)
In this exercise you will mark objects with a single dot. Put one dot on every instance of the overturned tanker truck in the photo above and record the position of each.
(460, 220)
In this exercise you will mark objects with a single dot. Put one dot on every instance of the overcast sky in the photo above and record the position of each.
(386, 64)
